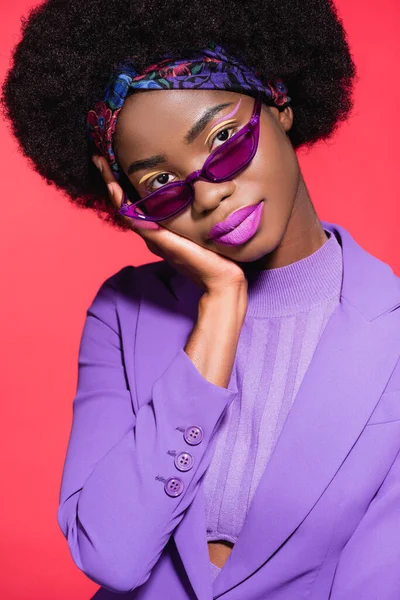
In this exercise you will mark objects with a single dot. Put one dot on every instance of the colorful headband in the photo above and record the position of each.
(211, 68)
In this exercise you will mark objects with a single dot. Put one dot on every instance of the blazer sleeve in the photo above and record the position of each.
(369, 565)
(114, 509)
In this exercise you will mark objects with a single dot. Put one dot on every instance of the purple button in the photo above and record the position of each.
(193, 435)
(184, 461)
(173, 486)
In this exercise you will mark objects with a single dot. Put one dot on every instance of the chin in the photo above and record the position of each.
(251, 251)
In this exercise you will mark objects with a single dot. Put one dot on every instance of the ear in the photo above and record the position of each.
(285, 118)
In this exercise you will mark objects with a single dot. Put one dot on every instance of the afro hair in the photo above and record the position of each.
(68, 50)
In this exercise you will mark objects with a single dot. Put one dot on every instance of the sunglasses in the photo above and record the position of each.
(224, 163)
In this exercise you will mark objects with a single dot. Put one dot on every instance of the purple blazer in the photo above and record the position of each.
(325, 519)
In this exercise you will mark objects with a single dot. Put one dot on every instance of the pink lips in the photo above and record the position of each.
(231, 222)
(220, 230)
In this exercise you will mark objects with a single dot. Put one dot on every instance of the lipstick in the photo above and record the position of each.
(239, 227)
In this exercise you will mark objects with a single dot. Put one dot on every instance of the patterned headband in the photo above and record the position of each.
(211, 68)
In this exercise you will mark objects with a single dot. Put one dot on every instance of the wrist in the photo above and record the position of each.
(232, 299)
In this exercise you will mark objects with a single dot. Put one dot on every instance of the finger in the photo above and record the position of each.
(138, 225)
(104, 168)
(114, 188)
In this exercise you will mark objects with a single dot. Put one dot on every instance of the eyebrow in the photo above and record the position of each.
(190, 136)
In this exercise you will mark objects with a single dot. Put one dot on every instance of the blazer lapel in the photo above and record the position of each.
(347, 375)
(345, 379)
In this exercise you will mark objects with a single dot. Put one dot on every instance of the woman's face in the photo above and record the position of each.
(156, 124)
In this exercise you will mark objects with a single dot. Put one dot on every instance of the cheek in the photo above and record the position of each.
(183, 225)
(276, 165)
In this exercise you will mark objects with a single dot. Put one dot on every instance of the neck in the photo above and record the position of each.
(304, 234)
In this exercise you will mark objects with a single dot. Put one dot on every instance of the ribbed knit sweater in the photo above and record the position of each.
(288, 309)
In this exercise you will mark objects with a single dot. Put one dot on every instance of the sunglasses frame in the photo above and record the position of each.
(253, 127)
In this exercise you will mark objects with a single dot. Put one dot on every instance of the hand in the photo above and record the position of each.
(212, 272)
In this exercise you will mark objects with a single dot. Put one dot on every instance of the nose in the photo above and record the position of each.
(208, 195)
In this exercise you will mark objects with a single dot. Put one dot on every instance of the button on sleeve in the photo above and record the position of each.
(193, 435)
(184, 461)
(174, 486)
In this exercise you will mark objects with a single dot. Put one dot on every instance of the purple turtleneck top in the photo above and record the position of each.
(288, 309)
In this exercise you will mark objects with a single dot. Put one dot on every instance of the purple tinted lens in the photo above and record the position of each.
(230, 159)
(232, 156)
(164, 203)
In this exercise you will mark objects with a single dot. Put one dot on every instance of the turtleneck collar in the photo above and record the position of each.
(298, 286)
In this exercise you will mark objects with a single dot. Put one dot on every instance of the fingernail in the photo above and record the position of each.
(146, 224)
(97, 162)
(111, 188)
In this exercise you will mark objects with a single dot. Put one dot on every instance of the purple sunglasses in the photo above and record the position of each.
(224, 163)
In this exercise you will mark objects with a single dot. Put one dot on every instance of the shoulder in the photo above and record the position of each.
(135, 281)
(369, 283)
(118, 298)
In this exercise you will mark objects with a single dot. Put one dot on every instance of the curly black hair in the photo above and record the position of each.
(69, 49)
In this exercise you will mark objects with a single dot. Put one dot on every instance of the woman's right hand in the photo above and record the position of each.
(210, 271)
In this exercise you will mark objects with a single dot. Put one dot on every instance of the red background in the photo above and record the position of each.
(54, 258)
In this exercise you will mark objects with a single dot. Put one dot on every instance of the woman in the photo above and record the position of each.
(236, 426)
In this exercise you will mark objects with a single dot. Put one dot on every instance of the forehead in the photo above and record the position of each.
(153, 119)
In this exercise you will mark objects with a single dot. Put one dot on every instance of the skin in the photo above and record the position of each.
(155, 122)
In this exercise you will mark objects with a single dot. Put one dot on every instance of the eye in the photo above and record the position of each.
(161, 179)
(223, 135)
